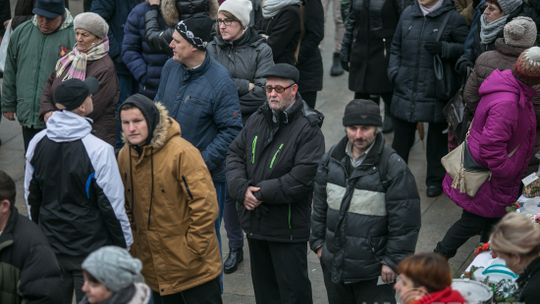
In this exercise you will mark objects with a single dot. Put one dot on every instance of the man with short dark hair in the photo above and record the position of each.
(366, 211)
(72, 185)
(28, 266)
(34, 48)
(270, 171)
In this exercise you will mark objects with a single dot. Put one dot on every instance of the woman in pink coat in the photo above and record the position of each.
(501, 140)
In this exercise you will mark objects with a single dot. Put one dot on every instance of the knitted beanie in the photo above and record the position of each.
(93, 23)
(520, 32)
(114, 267)
(509, 6)
(241, 9)
(527, 66)
(363, 113)
(197, 30)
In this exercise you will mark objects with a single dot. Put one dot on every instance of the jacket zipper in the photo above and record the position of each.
(384, 47)
(253, 149)
(289, 219)
(275, 155)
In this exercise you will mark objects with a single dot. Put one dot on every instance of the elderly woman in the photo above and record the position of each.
(89, 58)
(411, 71)
(425, 278)
(501, 139)
(516, 240)
(247, 56)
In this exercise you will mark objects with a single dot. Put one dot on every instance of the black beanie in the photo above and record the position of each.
(148, 110)
(197, 30)
(362, 112)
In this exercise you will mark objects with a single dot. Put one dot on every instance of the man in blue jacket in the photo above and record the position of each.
(199, 93)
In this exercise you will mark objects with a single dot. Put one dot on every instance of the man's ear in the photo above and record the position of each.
(5, 206)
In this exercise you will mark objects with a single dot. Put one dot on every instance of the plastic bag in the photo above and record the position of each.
(4, 46)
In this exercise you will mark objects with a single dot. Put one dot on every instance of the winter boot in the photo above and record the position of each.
(336, 68)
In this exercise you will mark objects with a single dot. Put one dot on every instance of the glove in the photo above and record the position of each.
(345, 65)
(433, 47)
(462, 65)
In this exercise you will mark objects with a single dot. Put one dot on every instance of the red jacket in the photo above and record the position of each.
(447, 295)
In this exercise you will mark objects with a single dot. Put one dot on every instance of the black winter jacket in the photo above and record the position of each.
(283, 31)
(247, 59)
(281, 158)
(366, 216)
(366, 44)
(29, 272)
(309, 58)
(411, 66)
(528, 283)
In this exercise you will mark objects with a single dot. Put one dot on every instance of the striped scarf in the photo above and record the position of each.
(75, 61)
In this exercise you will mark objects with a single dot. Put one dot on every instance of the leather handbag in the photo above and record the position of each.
(446, 81)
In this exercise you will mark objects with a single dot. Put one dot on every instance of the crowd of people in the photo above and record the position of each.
(146, 123)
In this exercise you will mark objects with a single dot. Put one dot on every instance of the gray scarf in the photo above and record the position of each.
(489, 31)
(270, 8)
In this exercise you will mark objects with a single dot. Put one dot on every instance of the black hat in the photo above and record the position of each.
(72, 92)
(148, 109)
(49, 8)
(283, 70)
(362, 112)
(196, 30)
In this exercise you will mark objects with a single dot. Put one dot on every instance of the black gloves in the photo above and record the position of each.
(344, 58)
(462, 65)
(433, 47)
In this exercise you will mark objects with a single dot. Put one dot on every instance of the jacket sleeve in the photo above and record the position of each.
(108, 92)
(32, 189)
(106, 10)
(157, 37)
(394, 62)
(314, 28)
(298, 182)
(470, 91)
(347, 40)
(403, 212)
(110, 193)
(285, 28)
(132, 50)
(251, 100)
(202, 200)
(237, 180)
(454, 48)
(320, 206)
(228, 120)
(9, 84)
(46, 100)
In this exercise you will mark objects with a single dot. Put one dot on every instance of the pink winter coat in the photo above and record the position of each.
(504, 120)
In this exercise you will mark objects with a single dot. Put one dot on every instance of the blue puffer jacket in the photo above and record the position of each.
(205, 103)
(144, 64)
(115, 12)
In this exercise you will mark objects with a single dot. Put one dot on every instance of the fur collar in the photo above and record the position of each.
(171, 15)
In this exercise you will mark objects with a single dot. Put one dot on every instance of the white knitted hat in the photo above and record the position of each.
(241, 9)
(520, 32)
(91, 22)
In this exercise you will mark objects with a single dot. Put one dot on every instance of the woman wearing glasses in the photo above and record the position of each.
(246, 55)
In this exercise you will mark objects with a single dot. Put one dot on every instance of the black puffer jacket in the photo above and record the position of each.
(366, 44)
(366, 216)
(247, 59)
(528, 283)
(29, 272)
(281, 158)
(309, 59)
(411, 65)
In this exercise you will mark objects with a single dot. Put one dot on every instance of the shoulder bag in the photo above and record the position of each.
(446, 82)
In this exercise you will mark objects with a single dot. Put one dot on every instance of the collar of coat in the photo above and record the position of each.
(446, 6)
(285, 117)
(6, 238)
(250, 37)
(372, 158)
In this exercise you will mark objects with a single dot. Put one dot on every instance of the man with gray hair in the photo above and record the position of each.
(365, 197)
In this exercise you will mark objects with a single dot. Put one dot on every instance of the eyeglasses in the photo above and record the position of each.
(225, 22)
(279, 89)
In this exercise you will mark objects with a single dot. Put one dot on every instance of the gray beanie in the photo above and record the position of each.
(114, 267)
(508, 6)
(241, 9)
(520, 32)
(93, 23)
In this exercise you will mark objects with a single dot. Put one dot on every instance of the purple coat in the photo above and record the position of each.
(504, 120)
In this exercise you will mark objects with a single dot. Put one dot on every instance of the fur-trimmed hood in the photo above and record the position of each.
(171, 15)
(165, 129)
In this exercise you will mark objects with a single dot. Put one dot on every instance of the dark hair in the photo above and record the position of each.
(229, 15)
(7, 188)
(91, 278)
(496, 3)
(429, 270)
(127, 106)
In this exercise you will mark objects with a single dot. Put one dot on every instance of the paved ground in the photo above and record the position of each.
(437, 213)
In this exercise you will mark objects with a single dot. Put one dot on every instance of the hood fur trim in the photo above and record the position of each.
(171, 15)
(161, 133)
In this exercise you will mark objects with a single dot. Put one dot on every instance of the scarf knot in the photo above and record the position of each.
(75, 61)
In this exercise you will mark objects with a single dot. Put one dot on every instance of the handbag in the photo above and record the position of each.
(454, 112)
(446, 82)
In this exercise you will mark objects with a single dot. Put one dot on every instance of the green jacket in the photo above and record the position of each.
(31, 58)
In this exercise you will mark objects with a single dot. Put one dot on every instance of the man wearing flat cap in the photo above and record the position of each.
(366, 211)
(270, 170)
(34, 48)
(72, 185)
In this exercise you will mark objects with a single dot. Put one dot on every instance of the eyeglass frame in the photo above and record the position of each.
(277, 88)
(226, 21)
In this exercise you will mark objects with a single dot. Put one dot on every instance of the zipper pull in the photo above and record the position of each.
(384, 47)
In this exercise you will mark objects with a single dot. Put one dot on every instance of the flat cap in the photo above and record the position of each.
(283, 70)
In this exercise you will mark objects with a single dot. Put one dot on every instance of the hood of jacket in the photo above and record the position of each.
(68, 20)
(171, 15)
(504, 81)
(65, 126)
(165, 130)
(251, 37)
(506, 49)
(447, 295)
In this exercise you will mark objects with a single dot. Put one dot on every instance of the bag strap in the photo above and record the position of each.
(443, 25)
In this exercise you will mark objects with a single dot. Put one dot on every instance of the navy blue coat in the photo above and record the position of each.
(205, 103)
(144, 64)
(115, 12)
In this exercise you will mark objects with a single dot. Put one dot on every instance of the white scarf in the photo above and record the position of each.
(270, 8)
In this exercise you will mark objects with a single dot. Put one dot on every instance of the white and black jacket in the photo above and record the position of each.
(366, 216)
(73, 188)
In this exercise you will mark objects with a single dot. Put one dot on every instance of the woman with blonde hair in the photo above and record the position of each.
(516, 240)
